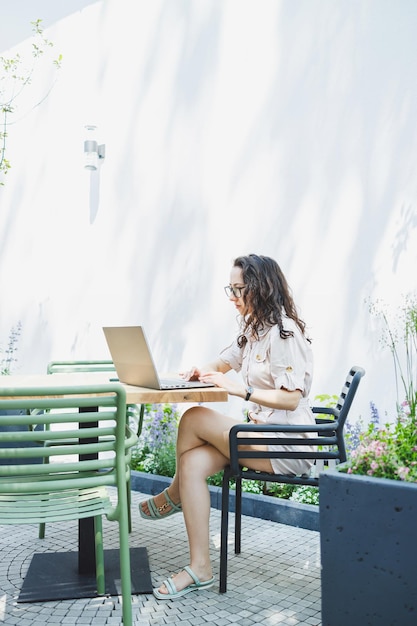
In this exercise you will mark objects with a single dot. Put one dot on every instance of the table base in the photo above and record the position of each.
(54, 576)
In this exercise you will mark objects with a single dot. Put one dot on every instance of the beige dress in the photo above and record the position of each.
(274, 363)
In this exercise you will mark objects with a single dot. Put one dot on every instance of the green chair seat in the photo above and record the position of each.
(75, 504)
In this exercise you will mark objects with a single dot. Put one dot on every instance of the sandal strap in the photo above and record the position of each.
(190, 572)
(159, 512)
(169, 502)
(169, 584)
(153, 509)
(161, 509)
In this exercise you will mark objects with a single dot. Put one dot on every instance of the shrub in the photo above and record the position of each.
(155, 452)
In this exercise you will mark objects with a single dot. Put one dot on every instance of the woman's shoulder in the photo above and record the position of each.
(287, 323)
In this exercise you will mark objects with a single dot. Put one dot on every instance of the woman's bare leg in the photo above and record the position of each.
(198, 426)
(195, 466)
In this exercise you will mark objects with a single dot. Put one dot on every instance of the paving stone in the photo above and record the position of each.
(275, 581)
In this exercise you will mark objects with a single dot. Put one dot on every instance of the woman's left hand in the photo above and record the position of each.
(272, 398)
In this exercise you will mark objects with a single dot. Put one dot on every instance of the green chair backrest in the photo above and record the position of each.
(64, 367)
(135, 412)
(97, 444)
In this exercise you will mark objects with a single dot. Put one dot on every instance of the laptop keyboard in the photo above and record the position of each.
(166, 383)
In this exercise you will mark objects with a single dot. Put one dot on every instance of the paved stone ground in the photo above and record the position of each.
(275, 581)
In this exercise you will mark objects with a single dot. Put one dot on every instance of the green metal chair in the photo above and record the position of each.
(68, 486)
(134, 412)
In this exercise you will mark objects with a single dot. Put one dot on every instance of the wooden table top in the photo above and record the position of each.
(134, 395)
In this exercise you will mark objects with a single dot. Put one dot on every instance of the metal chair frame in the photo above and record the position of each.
(329, 449)
(89, 455)
(134, 413)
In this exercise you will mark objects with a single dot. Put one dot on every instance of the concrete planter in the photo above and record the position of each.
(368, 551)
(264, 507)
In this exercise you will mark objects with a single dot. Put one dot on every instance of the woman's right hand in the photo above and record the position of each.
(195, 373)
(192, 374)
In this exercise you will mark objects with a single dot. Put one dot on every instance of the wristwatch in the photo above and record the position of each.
(249, 392)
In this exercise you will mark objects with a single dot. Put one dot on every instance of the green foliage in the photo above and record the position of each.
(155, 451)
(280, 490)
(305, 494)
(326, 400)
(16, 74)
(216, 479)
(253, 486)
(390, 451)
(399, 334)
(161, 461)
(250, 486)
(296, 493)
(8, 355)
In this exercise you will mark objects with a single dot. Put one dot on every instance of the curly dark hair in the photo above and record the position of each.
(267, 293)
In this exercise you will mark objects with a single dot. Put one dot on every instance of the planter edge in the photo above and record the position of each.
(254, 505)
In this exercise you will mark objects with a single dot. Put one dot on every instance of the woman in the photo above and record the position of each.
(274, 356)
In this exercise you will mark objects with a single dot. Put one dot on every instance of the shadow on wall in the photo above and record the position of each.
(94, 198)
(236, 136)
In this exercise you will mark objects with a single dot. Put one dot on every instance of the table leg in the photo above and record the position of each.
(86, 539)
(63, 576)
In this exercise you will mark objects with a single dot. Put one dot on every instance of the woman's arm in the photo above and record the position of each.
(195, 373)
(272, 398)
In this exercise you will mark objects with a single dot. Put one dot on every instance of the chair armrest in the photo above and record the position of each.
(326, 410)
(323, 420)
(325, 427)
(131, 438)
(321, 436)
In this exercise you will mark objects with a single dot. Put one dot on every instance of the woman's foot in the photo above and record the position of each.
(159, 507)
(182, 583)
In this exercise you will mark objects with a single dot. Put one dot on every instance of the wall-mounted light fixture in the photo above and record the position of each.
(93, 152)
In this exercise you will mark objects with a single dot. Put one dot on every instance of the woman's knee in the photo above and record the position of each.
(190, 415)
(201, 462)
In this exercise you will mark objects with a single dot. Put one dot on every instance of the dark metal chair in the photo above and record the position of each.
(329, 449)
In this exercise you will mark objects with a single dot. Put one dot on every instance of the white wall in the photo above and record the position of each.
(279, 127)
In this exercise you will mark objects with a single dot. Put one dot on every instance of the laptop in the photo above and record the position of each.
(134, 363)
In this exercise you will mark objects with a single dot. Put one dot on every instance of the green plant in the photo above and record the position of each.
(399, 334)
(326, 400)
(8, 354)
(16, 74)
(390, 451)
(216, 479)
(155, 451)
(279, 490)
(305, 494)
(253, 486)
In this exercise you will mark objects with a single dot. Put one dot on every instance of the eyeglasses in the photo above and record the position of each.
(235, 291)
